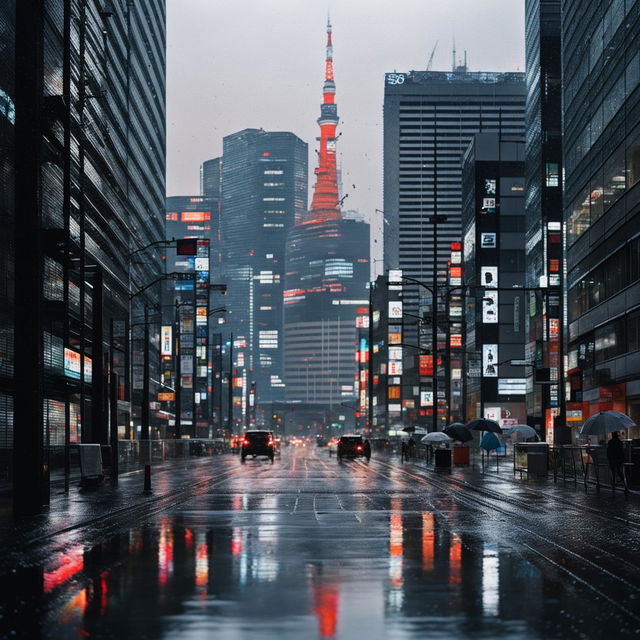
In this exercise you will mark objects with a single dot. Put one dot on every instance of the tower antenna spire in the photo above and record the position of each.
(453, 55)
(325, 204)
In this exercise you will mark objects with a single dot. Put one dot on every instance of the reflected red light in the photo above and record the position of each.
(455, 560)
(326, 609)
(69, 564)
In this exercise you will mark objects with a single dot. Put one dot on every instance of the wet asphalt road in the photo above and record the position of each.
(312, 548)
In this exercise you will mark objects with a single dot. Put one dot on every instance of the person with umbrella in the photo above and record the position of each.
(615, 456)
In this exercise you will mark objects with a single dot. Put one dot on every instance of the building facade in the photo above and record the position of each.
(429, 120)
(544, 214)
(601, 102)
(211, 178)
(493, 219)
(91, 177)
(264, 192)
(187, 306)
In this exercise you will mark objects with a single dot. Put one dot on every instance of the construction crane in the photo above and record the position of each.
(431, 56)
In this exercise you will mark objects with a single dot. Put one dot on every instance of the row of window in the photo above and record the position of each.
(604, 112)
(620, 172)
(616, 338)
(608, 278)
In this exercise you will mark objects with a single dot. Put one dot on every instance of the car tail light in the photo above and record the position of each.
(359, 448)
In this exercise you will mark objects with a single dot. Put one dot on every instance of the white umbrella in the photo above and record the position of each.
(606, 422)
(437, 437)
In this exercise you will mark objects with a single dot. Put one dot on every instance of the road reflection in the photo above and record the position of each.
(253, 567)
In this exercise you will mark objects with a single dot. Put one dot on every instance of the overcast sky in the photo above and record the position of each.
(235, 64)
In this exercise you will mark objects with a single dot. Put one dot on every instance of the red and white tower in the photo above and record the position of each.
(325, 204)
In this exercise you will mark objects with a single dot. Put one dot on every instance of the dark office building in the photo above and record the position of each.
(7, 213)
(192, 217)
(264, 176)
(601, 102)
(386, 387)
(429, 120)
(90, 177)
(493, 218)
(325, 286)
(211, 178)
(544, 215)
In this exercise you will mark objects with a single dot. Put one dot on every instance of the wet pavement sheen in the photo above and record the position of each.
(312, 548)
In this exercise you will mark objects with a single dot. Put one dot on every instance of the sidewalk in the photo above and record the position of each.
(83, 507)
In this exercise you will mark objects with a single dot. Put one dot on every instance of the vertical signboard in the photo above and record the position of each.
(166, 342)
(490, 360)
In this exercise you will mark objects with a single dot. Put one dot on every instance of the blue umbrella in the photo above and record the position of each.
(490, 441)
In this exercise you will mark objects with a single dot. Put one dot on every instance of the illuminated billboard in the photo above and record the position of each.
(166, 333)
(490, 360)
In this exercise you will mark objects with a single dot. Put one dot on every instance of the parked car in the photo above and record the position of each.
(257, 443)
(353, 446)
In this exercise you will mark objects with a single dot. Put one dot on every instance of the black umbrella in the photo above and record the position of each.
(458, 432)
(409, 429)
(482, 424)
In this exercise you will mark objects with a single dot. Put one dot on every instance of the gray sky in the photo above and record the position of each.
(233, 64)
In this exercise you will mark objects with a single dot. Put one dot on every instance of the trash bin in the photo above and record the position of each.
(461, 455)
(537, 463)
(443, 458)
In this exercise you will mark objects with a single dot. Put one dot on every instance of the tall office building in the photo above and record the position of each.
(264, 178)
(327, 270)
(7, 216)
(188, 303)
(601, 103)
(544, 215)
(494, 269)
(211, 178)
(429, 120)
(90, 178)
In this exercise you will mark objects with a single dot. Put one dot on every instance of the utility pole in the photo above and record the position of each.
(230, 387)
(144, 409)
(178, 369)
(372, 287)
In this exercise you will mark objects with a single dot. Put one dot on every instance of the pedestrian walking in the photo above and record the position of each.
(367, 450)
(615, 456)
(411, 448)
(403, 451)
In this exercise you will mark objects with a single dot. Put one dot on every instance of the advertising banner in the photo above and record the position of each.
(426, 398)
(395, 310)
(490, 360)
(166, 341)
(488, 241)
(490, 307)
(512, 386)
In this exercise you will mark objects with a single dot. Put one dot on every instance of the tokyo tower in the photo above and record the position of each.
(325, 203)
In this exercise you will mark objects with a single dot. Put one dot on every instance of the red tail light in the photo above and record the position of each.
(359, 447)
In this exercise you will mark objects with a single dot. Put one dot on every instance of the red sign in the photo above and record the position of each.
(425, 365)
(195, 216)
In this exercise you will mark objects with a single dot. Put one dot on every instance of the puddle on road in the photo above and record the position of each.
(403, 574)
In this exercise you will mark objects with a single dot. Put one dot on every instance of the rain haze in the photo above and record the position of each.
(260, 64)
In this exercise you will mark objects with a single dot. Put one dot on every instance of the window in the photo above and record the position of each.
(552, 174)
(614, 177)
(633, 158)
(596, 197)
(578, 221)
